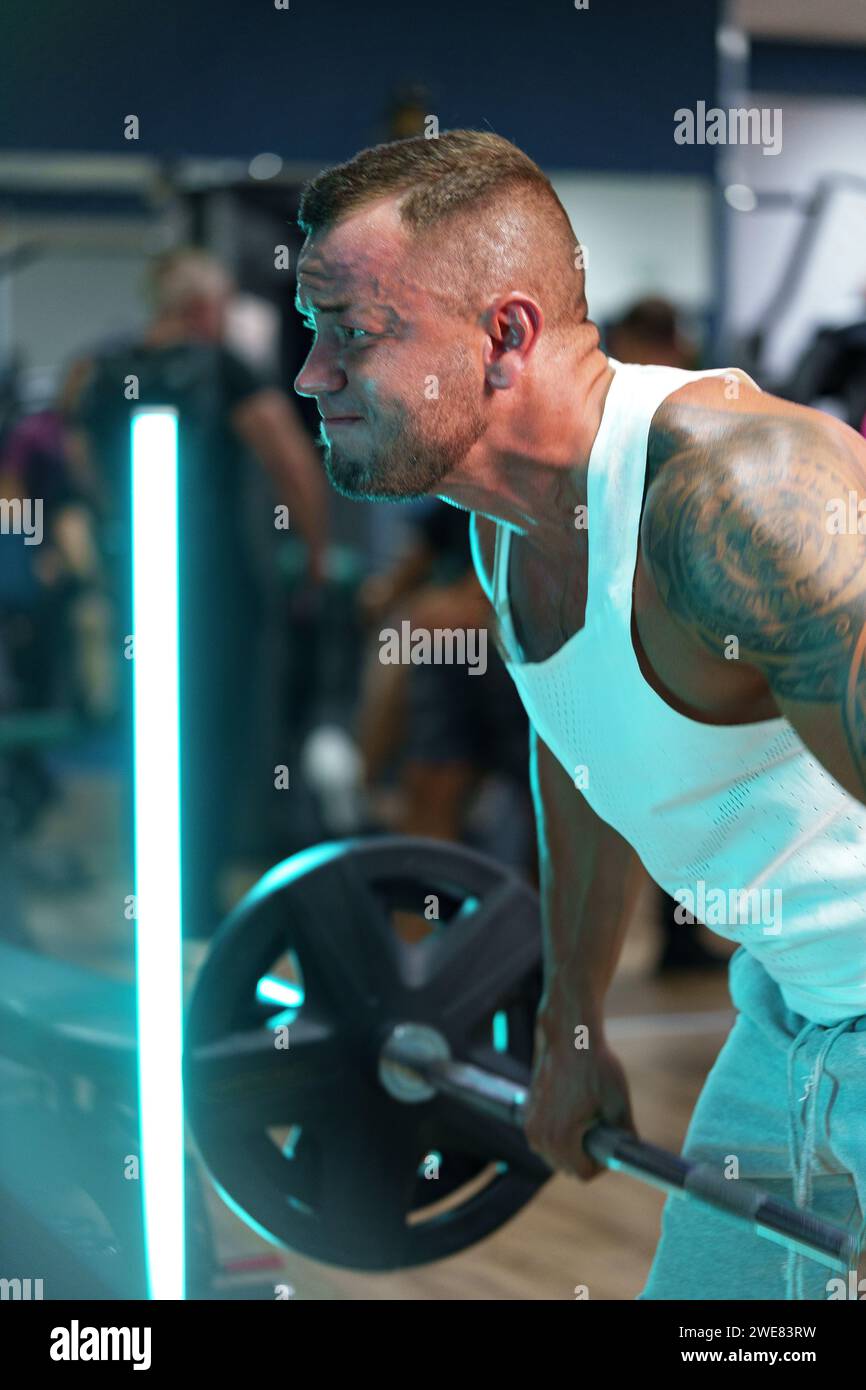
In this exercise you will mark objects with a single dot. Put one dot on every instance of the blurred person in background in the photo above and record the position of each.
(649, 334)
(54, 613)
(451, 731)
(57, 581)
(229, 413)
(833, 368)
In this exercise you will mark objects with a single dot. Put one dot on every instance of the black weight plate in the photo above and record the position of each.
(344, 1187)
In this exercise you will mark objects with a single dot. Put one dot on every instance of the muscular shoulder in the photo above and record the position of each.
(737, 530)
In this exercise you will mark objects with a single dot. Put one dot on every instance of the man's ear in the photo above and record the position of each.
(513, 329)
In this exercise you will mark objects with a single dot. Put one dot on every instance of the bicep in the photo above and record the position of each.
(758, 558)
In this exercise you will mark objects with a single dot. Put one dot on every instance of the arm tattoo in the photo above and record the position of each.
(737, 537)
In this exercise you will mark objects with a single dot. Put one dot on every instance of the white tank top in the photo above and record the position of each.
(740, 823)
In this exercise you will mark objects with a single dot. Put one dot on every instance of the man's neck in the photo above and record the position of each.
(531, 472)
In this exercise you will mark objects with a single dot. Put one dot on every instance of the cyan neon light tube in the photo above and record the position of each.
(156, 769)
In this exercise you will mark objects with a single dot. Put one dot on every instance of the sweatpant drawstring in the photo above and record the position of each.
(802, 1158)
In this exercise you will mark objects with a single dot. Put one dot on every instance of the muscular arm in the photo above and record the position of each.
(747, 537)
(589, 877)
(270, 426)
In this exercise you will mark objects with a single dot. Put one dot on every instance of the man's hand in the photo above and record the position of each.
(589, 878)
(572, 1089)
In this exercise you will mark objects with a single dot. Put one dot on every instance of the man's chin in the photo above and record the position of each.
(361, 484)
(347, 476)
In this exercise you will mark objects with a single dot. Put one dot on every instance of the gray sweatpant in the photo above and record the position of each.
(786, 1097)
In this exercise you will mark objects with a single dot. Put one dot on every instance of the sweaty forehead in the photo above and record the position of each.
(366, 257)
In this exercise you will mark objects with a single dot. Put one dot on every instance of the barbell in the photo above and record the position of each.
(408, 1059)
(334, 1065)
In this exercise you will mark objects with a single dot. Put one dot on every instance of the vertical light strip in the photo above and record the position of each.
(156, 770)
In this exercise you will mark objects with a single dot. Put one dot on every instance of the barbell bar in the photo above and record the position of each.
(414, 1053)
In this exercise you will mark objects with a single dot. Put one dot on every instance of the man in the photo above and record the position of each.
(686, 633)
(228, 414)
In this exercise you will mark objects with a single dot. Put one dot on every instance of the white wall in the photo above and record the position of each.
(83, 287)
(831, 21)
(820, 137)
(644, 235)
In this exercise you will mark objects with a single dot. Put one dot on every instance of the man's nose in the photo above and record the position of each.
(320, 374)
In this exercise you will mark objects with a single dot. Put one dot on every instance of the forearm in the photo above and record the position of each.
(296, 473)
(584, 926)
(274, 434)
(588, 879)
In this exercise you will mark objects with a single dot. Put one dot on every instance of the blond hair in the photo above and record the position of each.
(185, 276)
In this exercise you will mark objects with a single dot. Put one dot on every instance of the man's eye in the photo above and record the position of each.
(352, 334)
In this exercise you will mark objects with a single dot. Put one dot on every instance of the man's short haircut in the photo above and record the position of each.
(489, 218)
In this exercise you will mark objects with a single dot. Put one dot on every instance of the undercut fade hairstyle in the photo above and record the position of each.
(488, 218)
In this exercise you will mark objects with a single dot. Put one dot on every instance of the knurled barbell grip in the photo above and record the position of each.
(770, 1217)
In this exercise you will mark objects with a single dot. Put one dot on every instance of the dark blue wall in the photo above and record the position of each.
(809, 69)
(592, 89)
